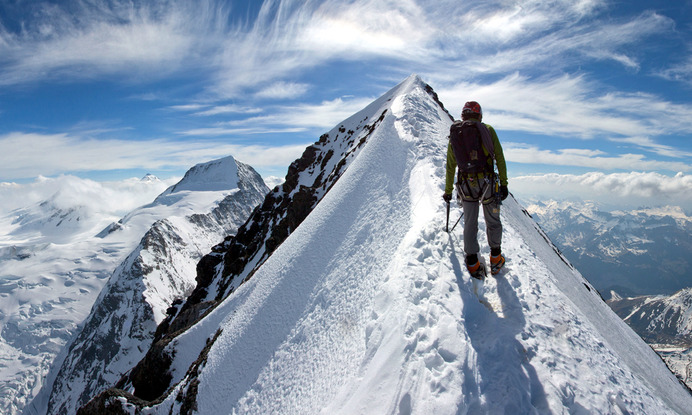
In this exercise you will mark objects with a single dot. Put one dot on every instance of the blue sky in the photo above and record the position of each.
(589, 97)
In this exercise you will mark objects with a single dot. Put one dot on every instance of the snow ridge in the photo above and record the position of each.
(365, 306)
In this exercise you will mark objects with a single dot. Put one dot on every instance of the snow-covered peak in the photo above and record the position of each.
(157, 247)
(659, 319)
(149, 178)
(48, 222)
(342, 294)
(198, 191)
(621, 250)
(216, 175)
(675, 212)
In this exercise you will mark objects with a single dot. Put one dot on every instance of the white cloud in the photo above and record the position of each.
(451, 41)
(189, 107)
(109, 198)
(323, 115)
(617, 190)
(681, 72)
(523, 153)
(572, 107)
(219, 131)
(228, 109)
(86, 40)
(651, 145)
(36, 154)
(289, 37)
(289, 118)
(155, 39)
(283, 90)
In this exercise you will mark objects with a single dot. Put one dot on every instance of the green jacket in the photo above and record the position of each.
(499, 159)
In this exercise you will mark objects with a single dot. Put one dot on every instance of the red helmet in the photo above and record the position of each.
(472, 109)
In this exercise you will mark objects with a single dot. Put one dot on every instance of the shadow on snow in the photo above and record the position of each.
(504, 381)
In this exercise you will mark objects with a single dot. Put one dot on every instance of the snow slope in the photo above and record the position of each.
(366, 308)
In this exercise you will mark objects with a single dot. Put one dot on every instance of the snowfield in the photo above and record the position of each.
(367, 308)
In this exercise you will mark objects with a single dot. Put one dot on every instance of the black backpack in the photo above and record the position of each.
(468, 139)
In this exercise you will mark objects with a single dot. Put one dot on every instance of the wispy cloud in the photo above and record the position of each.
(681, 72)
(228, 109)
(518, 59)
(573, 107)
(37, 154)
(288, 118)
(220, 131)
(633, 189)
(283, 90)
(154, 39)
(661, 149)
(87, 40)
(522, 153)
(111, 198)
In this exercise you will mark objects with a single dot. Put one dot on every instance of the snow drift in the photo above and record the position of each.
(343, 294)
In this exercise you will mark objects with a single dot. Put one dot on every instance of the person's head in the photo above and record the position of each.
(472, 109)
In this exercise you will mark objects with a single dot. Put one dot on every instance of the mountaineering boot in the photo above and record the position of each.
(475, 268)
(496, 263)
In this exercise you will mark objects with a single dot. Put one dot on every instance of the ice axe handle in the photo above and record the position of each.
(447, 225)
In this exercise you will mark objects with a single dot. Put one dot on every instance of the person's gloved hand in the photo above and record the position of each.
(447, 197)
(503, 192)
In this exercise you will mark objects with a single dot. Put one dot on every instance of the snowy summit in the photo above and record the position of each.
(342, 294)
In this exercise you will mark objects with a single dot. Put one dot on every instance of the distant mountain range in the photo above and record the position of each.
(665, 322)
(639, 252)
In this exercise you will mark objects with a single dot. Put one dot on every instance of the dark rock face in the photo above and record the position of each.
(151, 376)
(108, 403)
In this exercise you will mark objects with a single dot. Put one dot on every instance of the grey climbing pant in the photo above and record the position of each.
(493, 226)
(473, 193)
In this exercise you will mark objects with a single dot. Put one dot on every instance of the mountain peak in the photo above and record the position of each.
(215, 175)
(343, 294)
(149, 178)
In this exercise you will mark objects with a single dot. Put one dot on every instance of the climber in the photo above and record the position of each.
(475, 149)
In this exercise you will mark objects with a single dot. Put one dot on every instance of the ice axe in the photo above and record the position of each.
(447, 225)
(455, 223)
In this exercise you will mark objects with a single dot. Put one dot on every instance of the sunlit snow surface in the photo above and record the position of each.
(367, 309)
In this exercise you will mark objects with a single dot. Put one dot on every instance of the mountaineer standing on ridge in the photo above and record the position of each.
(476, 150)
